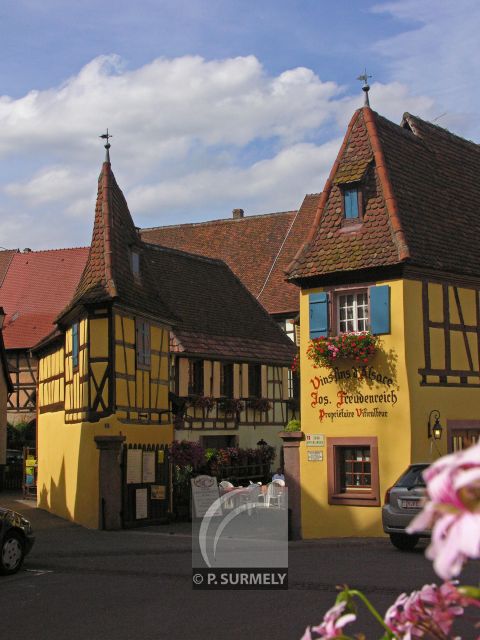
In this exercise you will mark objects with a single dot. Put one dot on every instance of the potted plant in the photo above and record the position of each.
(325, 352)
(260, 404)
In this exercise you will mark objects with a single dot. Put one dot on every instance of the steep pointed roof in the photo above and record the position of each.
(421, 194)
(108, 274)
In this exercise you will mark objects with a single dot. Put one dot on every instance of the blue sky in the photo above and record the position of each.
(213, 104)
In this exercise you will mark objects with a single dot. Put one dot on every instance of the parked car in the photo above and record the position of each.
(16, 540)
(402, 503)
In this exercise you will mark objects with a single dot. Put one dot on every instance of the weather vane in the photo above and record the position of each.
(366, 87)
(107, 136)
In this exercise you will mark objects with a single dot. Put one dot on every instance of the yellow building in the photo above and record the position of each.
(393, 252)
(150, 331)
(103, 374)
(5, 388)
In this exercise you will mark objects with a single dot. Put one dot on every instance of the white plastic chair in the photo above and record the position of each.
(273, 495)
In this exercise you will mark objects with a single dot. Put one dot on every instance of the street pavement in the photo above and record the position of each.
(136, 584)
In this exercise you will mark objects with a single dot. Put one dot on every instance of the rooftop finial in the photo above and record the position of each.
(107, 136)
(366, 87)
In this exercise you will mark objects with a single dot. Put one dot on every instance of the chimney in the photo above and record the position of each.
(237, 213)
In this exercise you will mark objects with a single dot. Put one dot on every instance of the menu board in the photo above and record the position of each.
(134, 466)
(204, 494)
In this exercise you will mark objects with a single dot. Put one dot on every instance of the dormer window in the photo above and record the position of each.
(351, 202)
(135, 261)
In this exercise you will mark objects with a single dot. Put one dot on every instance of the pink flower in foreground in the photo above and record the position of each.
(428, 613)
(452, 510)
(333, 622)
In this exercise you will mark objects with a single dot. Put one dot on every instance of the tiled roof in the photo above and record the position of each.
(257, 249)
(421, 194)
(38, 284)
(108, 274)
(216, 314)
(5, 260)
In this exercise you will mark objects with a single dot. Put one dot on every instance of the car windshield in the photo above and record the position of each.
(412, 477)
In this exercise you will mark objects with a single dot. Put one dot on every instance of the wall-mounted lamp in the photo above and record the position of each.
(435, 430)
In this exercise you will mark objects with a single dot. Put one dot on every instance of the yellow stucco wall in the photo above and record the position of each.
(68, 459)
(67, 482)
(320, 416)
(402, 432)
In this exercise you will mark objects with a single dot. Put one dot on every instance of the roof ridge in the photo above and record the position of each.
(186, 254)
(464, 141)
(388, 193)
(323, 200)
(26, 253)
(220, 220)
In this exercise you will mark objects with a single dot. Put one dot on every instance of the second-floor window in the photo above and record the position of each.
(226, 381)
(195, 377)
(351, 203)
(255, 380)
(75, 345)
(143, 343)
(353, 312)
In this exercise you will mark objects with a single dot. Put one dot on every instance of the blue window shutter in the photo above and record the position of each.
(75, 344)
(380, 309)
(318, 315)
(350, 198)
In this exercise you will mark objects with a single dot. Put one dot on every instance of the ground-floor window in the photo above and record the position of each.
(353, 471)
(218, 442)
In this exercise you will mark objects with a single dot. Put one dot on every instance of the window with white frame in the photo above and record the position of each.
(353, 312)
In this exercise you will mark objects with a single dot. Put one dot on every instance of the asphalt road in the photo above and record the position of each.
(134, 585)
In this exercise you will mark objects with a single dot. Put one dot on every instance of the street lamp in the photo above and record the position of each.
(435, 430)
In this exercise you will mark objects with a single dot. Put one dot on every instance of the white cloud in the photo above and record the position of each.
(278, 183)
(438, 57)
(192, 138)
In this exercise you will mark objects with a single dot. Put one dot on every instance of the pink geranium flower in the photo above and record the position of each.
(452, 510)
(428, 613)
(332, 626)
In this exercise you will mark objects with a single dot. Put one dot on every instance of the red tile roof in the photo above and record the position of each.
(421, 193)
(36, 287)
(256, 248)
(5, 259)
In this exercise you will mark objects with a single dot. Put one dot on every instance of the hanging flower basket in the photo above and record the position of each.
(326, 352)
(260, 404)
(230, 405)
(202, 402)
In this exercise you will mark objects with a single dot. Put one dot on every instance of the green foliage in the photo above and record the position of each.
(21, 435)
(293, 425)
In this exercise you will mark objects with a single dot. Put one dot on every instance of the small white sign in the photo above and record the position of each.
(134, 466)
(204, 494)
(315, 440)
(148, 470)
(141, 504)
(315, 456)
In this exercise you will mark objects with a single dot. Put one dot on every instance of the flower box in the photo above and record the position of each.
(326, 352)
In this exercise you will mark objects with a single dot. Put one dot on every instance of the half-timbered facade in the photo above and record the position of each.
(34, 287)
(392, 252)
(5, 389)
(104, 370)
(229, 359)
(114, 366)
